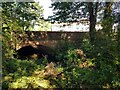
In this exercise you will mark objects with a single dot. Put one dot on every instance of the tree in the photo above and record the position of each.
(108, 17)
(116, 13)
(24, 14)
(73, 11)
(108, 9)
(18, 17)
(92, 9)
(65, 11)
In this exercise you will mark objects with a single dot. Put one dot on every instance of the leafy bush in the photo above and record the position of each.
(99, 68)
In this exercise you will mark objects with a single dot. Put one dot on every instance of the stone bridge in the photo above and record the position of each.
(49, 38)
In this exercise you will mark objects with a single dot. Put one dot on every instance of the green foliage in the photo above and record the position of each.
(99, 68)
(23, 73)
(64, 46)
(44, 26)
(73, 73)
(22, 14)
(17, 17)
(65, 11)
(35, 82)
(24, 67)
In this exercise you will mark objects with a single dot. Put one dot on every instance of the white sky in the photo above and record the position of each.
(46, 4)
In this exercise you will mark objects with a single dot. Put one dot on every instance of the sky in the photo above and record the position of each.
(46, 4)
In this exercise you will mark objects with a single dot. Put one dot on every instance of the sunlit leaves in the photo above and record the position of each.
(23, 13)
(35, 82)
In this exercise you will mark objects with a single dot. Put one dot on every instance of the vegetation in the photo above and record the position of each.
(87, 64)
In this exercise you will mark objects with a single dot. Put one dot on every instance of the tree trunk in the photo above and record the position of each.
(92, 18)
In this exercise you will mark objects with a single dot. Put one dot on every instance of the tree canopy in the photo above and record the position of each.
(18, 17)
(23, 15)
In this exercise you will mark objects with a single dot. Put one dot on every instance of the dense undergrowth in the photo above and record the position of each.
(98, 68)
